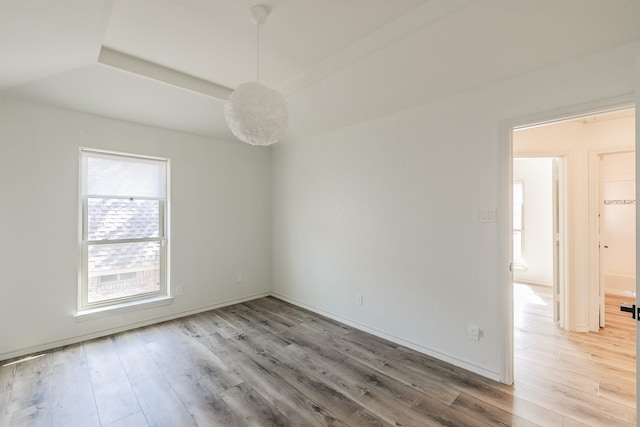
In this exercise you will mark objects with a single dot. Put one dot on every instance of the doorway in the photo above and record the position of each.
(592, 147)
(617, 226)
(580, 144)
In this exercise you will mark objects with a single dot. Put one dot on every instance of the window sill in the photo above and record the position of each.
(121, 308)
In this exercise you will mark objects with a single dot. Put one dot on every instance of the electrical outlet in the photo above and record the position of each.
(239, 278)
(179, 290)
(359, 300)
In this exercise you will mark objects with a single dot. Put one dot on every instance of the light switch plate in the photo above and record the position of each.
(487, 215)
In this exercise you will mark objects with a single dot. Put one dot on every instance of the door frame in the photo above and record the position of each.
(559, 232)
(505, 206)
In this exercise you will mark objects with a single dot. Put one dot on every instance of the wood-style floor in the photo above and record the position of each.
(589, 378)
(268, 363)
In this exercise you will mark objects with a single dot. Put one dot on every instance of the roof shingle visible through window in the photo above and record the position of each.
(110, 219)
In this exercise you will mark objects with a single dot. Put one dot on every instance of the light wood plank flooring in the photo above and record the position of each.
(588, 377)
(268, 363)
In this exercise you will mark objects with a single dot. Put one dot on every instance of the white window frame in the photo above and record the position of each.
(163, 293)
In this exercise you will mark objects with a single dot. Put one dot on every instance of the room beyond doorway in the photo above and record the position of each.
(617, 222)
(538, 224)
(579, 141)
(571, 359)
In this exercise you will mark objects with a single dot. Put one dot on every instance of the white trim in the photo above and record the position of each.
(424, 350)
(165, 212)
(141, 67)
(105, 332)
(581, 328)
(82, 226)
(620, 293)
(573, 112)
(397, 340)
(637, 289)
(505, 253)
(133, 240)
(84, 307)
(505, 228)
(123, 307)
(519, 265)
(107, 196)
(533, 283)
(123, 154)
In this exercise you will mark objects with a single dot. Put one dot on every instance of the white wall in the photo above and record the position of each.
(386, 208)
(536, 174)
(389, 209)
(220, 223)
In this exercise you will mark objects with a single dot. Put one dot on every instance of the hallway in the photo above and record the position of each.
(586, 376)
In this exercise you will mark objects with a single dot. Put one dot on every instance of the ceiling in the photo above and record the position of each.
(337, 62)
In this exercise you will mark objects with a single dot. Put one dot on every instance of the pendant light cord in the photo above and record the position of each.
(258, 53)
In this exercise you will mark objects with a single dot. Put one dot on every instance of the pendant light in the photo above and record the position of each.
(255, 113)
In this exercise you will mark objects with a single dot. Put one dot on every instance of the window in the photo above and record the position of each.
(124, 210)
(518, 224)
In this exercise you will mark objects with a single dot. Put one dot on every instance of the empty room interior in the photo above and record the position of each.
(373, 212)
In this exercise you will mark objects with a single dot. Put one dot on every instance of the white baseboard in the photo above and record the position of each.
(74, 340)
(533, 283)
(621, 293)
(397, 340)
(619, 284)
(417, 347)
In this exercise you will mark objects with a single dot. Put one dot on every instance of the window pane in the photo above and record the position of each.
(517, 217)
(124, 198)
(123, 219)
(137, 266)
(518, 192)
(517, 248)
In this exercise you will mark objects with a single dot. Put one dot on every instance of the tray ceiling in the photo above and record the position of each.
(336, 61)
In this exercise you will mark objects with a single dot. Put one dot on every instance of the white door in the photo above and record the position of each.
(556, 194)
(602, 246)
